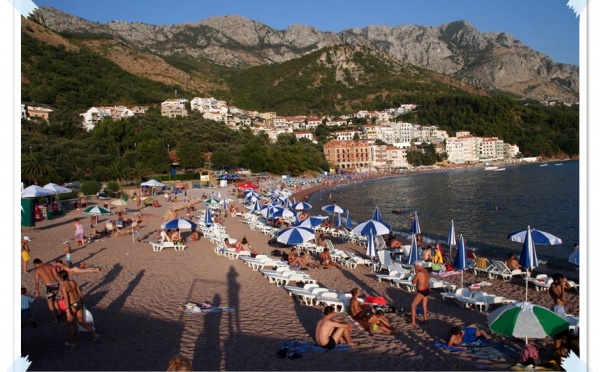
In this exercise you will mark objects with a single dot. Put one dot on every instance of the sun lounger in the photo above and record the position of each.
(482, 266)
(461, 292)
(332, 298)
(435, 283)
(394, 274)
(500, 269)
(481, 301)
(406, 283)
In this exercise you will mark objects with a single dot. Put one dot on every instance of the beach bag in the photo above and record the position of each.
(529, 355)
(448, 266)
(376, 300)
(62, 305)
(276, 253)
(436, 267)
(87, 318)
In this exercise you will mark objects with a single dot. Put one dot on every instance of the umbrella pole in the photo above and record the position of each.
(526, 285)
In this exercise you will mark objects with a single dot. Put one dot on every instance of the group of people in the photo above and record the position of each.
(172, 235)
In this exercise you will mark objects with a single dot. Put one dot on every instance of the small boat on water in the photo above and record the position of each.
(543, 165)
(558, 164)
(490, 168)
(397, 211)
(499, 169)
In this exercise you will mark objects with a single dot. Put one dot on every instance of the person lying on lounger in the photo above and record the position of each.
(460, 336)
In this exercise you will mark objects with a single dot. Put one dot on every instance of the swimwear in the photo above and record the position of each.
(424, 292)
(330, 345)
(25, 255)
(68, 258)
(470, 335)
(52, 290)
(375, 326)
(560, 311)
(77, 305)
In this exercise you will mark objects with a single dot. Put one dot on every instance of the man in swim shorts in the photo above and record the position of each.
(421, 281)
(48, 276)
(331, 331)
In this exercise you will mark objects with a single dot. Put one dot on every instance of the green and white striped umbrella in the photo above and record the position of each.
(96, 211)
(526, 320)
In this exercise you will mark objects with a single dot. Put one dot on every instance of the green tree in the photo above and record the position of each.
(34, 168)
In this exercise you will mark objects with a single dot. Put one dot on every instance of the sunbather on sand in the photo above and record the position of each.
(359, 311)
(59, 265)
(459, 336)
(331, 331)
(307, 261)
(326, 258)
(379, 323)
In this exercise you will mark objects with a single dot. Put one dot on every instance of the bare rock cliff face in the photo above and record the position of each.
(489, 60)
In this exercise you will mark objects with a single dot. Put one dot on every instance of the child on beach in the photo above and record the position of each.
(379, 323)
(68, 254)
(25, 310)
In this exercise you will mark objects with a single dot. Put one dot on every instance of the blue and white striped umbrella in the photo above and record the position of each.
(415, 228)
(413, 255)
(251, 198)
(371, 227)
(256, 206)
(348, 220)
(179, 223)
(208, 221)
(302, 206)
(332, 208)
(295, 235)
(574, 257)
(338, 220)
(460, 261)
(377, 215)
(311, 222)
(528, 258)
(451, 239)
(224, 204)
(371, 246)
(539, 237)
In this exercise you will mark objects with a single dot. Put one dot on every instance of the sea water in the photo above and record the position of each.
(485, 206)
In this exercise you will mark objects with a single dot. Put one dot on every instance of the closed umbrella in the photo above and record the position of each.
(526, 320)
(415, 227)
(338, 220)
(208, 221)
(528, 258)
(371, 246)
(574, 257)
(460, 261)
(451, 239)
(413, 255)
(179, 223)
(348, 221)
(295, 235)
(377, 217)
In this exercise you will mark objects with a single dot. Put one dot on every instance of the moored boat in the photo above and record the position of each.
(544, 165)
(493, 167)
(499, 169)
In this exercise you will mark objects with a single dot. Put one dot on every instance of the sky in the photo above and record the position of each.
(548, 26)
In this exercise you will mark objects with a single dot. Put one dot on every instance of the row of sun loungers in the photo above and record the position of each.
(478, 300)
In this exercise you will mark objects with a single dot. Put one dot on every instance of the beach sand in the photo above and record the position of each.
(136, 300)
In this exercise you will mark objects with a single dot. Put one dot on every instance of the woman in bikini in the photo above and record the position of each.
(74, 299)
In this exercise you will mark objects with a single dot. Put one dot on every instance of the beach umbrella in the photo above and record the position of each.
(311, 222)
(96, 211)
(212, 201)
(539, 237)
(460, 261)
(348, 221)
(377, 215)
(371, 246)
(574, 257)
(302, 206)
(451, 238)
(413, 255)
(528, 258)
(256, 206)
(152, 183)
(415, 227)
(56, 189)
(333, 208)
(251, 198)
(179, 223)
(208, 221)
(35, 191)
(247, 185)
(176, 191)
(295, 235)
(269, 210)
(526, 320)
(119, 203)
(251, 192)
(219, 195)
(338, 220)
(370, 227)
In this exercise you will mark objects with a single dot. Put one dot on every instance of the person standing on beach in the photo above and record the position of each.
(68, 254)
(331, 331)
(25, 252)
(421, 281)
(74, 300)
(45, 273)
(79, 232)
(558, 292)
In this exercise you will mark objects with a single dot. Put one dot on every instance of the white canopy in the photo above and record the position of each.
(35, 191)
(152, 183)
(56, 188)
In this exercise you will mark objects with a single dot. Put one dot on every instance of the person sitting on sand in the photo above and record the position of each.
(438, 257)
(59, 265)
(330, 331)
(306, 261)
(176, 237)
(359, 311)
(512, 263)
(242, 245)
(378, 322)
(326, 258)
(293, 258)
(459, 336)
(426, 254)
(194, 237)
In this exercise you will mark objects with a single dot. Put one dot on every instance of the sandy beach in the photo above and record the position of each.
(136, 304)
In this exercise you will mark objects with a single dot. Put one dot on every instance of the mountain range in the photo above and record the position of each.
(189, 54)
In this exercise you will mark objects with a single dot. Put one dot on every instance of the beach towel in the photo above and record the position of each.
(299, 346)
(447, 273)
(471, 346)
(496, 352)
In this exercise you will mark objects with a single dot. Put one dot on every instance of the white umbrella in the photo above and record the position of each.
(451, 239)
(35, 191)
(56, 188)
(152, 183)
(119, 203)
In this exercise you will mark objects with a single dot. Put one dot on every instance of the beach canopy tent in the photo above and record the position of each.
(56, 188)
(35, 191)
(152, 183)
(247, 185)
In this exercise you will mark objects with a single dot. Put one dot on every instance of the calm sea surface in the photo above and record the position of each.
(485, 206)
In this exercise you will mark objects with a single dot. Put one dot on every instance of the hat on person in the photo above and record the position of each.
(27, 238)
